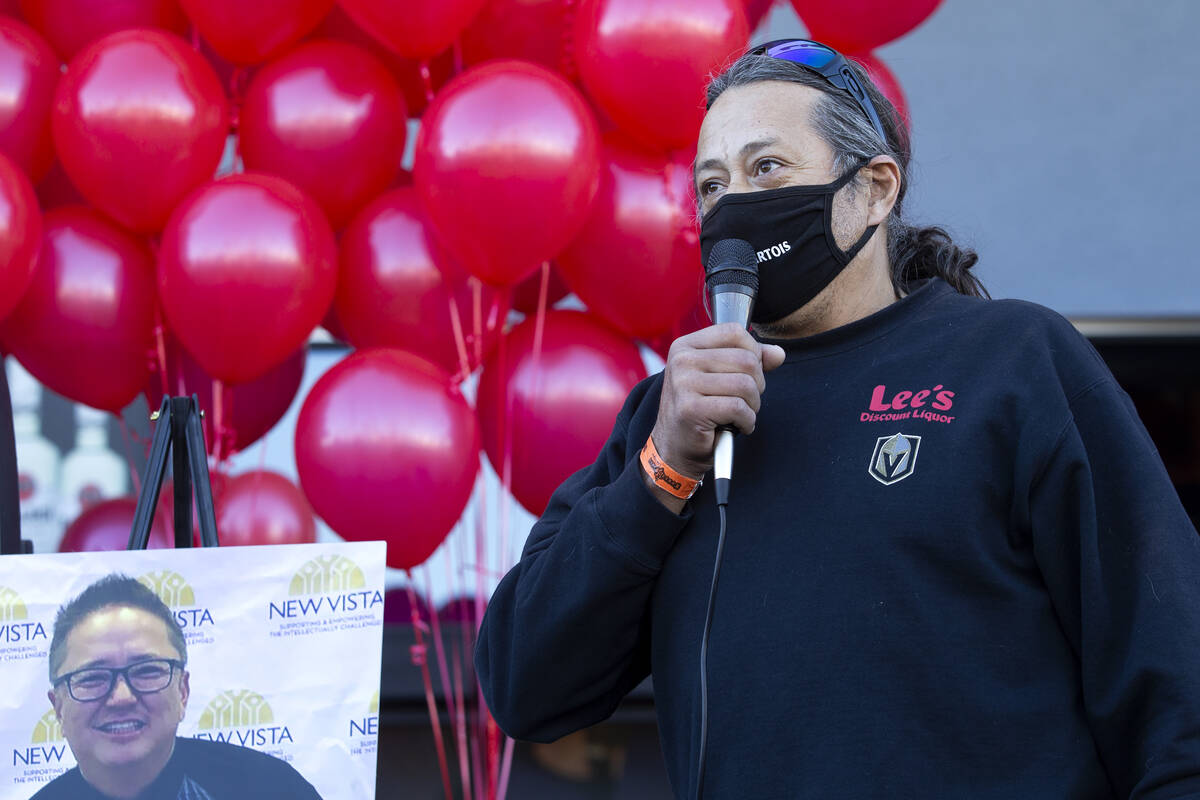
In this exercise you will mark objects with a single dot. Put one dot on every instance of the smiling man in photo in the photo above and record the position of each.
(119, 687)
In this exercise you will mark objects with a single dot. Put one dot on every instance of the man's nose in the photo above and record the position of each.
(122, 692)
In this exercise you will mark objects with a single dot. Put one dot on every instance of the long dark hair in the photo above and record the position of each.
(914, 251)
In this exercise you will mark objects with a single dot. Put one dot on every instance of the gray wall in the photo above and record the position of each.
(1059, 138)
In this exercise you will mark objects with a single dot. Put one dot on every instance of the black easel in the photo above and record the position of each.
(11, 542)
(178, 430)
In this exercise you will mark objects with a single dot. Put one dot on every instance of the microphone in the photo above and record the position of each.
(731, 278)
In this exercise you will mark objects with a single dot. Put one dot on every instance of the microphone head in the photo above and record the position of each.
(732, 261)
(731, 280)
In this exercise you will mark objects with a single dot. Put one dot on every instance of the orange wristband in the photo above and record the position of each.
(665, 478)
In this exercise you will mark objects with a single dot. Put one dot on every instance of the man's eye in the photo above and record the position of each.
(149, 671)
(763, 166)
(708, 187)
(89, 679)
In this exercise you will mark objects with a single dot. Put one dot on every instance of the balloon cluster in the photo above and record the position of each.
(216, 178)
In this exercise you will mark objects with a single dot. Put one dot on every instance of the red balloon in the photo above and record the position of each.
(387, 448)
(249, 410)
(407, 71)
(693, 320)
(533, 30)
(330, 119)
(507, 166)
(856, 26)
(107, 525)
(548, 413)
(29, 71)
(263, 507)
(251, 32)
(333, 325)
(398, 607)
(165, 513)
(883, 78)
(71, 25)
(86, 323)
(647, 64)
(246, 270)
(396, 285)
(413, 28)
(756, 11)
(527, 295)
(463, 610)
(56, 189)
(636, 260)
(20, 234)
(139, 121)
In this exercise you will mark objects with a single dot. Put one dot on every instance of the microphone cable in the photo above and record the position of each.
(712, 597)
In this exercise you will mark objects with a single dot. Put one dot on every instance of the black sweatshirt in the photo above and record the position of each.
(202, 770)
(955, 568)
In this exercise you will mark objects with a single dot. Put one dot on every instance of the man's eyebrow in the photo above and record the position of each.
(746, 149)
(104, 662)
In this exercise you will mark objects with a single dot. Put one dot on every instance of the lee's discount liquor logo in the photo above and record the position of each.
(326, 594)
(245, 718)
(929, 405)
(364, 730)
(42, 759)
(21, 638)
(195, 620)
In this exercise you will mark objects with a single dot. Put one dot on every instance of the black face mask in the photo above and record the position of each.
(792, 230)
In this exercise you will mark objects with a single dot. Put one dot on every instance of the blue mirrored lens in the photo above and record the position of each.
(810, 54)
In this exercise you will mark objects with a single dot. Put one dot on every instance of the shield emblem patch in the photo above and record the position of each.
(895, 458)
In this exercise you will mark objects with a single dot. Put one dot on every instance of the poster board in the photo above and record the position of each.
(284, 651)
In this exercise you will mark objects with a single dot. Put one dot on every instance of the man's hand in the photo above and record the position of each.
(713, 377)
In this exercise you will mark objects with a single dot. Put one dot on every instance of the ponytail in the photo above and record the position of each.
(917, 253)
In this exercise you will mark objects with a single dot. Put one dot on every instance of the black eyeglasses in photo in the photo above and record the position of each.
(143, 677)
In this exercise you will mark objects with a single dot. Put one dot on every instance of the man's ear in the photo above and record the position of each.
(184, 691)
(52, 696)
(885, 188)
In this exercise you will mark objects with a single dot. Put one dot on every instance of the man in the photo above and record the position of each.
(119, 688)
(955, 566)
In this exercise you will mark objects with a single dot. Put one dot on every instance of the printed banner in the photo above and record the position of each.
(283, 644)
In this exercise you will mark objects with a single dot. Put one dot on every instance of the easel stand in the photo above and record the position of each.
(179, 432)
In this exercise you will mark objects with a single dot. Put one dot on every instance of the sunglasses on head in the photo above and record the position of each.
(830, 65)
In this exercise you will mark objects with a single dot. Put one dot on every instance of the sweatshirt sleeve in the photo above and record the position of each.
(566, 634)
(1121, 561)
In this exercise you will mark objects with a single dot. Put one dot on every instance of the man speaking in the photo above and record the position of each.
(119, 688)
(954, 564)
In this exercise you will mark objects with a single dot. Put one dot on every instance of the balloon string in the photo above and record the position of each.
(505, 768)
(460, 341)
(426, 79)
(491, 736)
(444, 671)
(418, 653)
(218, 426)
(466, 761)
(160, 353)
(477, 316)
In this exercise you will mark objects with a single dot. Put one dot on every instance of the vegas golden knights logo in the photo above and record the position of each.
(170, 587)
(236, 709)
(12, 607)
(327, 574)
(895, 458)
(48, 729)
